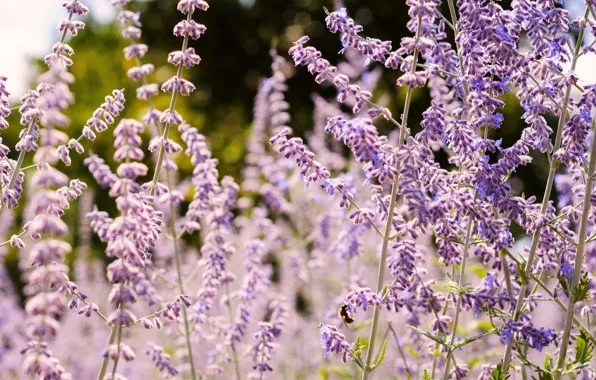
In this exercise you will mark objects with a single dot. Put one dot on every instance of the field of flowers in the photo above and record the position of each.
(348, 254)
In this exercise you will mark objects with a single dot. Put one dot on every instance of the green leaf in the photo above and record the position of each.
(429, 336)
(341, 371)
(479, 271)
(449, 239)
(323, 373)
(474, 362)
(584, 351)
(564, 282)
(498, 373)
(358, 348)
(484, 325)
(362, 325)
(412, 351)
(385, 291)
(460, 289)
(336, 282)
(548, 362)
(381, 356)
(582, 292)
(545, 376)
(522, 277)
(546, 373)
(472, 339)
(584, 348)
(426, 376)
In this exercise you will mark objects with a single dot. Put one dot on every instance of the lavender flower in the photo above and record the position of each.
(368, 148)
(534, 337)
(262, 351)
(334, 341)
(162, 360)
(4, 109)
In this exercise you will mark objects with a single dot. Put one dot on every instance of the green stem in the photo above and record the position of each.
(445, 309)
(118, 350)
(166, 130)
(106, 360)
(453, 14)
(158, 166)
(400, 350)
(381, 270)
(546, 198)
(557, 300)
(23, 152)
(234, 353)
(461, 279)
(17, 169)
(180, 279)
(579, 259)
(507, 274)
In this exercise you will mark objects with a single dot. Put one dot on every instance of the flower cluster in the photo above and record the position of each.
(48, 281)
(334, 341)
(107, 111)
(537, 338)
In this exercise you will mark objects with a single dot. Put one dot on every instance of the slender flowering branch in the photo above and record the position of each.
(31, 115)
(184, 58)
(547, 192)
(466, 242)
(390, 215)
(579, 259)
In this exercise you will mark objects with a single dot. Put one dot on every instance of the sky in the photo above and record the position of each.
(28, 29)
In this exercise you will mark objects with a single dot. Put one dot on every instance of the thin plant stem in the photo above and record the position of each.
(158, 166)
(166, 130)
(383, 340)
(461, 278)
(523, 369)
(23, 152)
(555, 299)
(579, 259)
(445, 309)
(460, 282)
(234, 353)
(507, 274)
(372, 222)
(180, 278)
(532, 292)
(104, 364)
(381, 270)
(118, 341)
(546, 198)
(17, 168)
(400, 350)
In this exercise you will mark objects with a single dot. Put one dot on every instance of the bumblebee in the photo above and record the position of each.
(344, 314)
